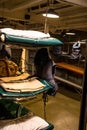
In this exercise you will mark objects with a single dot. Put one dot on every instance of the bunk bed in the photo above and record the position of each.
(15, 116)
(17, 87)
(27, 38)
(28, 87)
(24, 38)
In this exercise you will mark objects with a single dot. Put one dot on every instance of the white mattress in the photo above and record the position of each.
(24, 33)
(34, 123)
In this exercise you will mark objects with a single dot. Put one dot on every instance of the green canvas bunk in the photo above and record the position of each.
(12, 112)
(10, 94)
(27, 38)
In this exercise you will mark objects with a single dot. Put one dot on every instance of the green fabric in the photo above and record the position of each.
(32, 42)
(50, 127)
(25, 94)
(10, 109)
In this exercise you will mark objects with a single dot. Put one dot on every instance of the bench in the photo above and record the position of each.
(70, 67)
(70, 71)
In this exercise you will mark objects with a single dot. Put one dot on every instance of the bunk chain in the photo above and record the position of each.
(45, 99)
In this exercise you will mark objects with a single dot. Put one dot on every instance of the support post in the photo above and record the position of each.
(82, 120)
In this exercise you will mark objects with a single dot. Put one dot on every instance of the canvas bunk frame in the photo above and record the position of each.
(11, 39)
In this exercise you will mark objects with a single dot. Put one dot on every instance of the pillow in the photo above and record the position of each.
(7, 68)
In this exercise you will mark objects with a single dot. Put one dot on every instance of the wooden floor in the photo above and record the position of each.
(63, 110)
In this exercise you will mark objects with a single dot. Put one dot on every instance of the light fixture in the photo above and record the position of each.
(70, 33)
(51, 14)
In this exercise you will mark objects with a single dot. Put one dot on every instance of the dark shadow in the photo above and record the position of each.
(69, 91)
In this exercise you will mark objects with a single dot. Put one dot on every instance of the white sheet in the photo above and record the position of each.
(35, 123)
(24, 33)
(23, 86)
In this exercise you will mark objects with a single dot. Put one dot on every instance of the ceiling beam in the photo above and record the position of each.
(2, 1)
(79, 2)
(25, 5)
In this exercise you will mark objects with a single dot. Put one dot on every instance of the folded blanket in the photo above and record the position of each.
(23, 86)
(15, 78)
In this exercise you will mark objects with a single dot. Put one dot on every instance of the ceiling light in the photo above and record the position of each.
(51, 14)
(0, 21)
(70, 33)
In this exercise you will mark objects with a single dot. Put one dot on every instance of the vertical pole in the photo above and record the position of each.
(46, 25)
(45, 100)
(46, 28)
(23, 60)
(82, 120)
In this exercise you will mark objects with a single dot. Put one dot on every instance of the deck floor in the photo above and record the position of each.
(63, 110)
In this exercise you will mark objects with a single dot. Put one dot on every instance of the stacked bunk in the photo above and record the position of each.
(22, 85)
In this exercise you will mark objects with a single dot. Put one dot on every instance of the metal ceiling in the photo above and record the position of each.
(27, 14)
